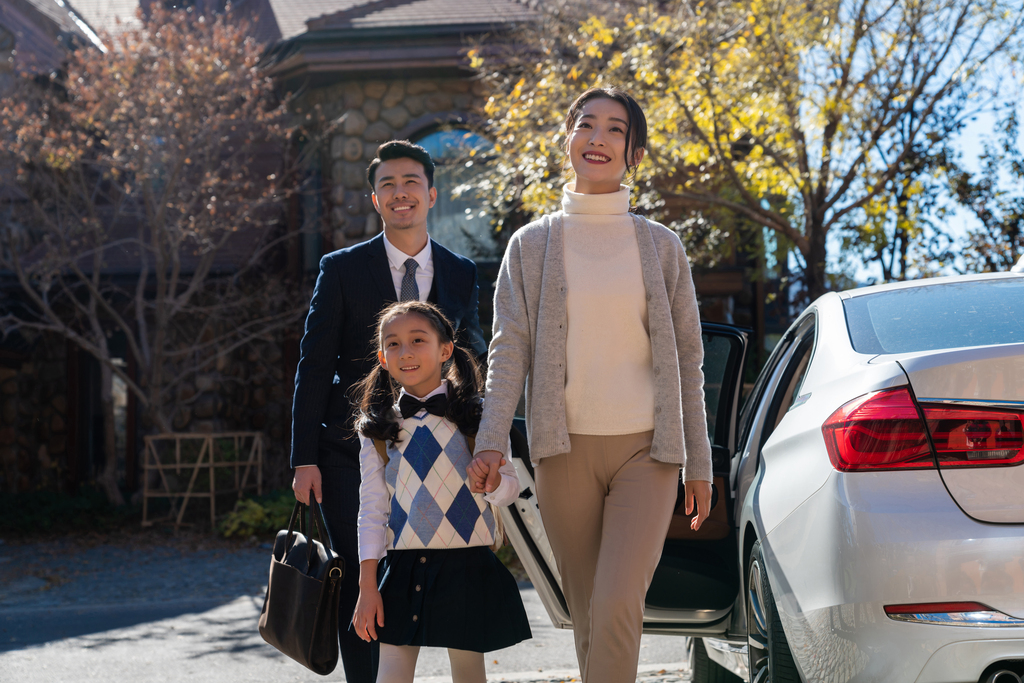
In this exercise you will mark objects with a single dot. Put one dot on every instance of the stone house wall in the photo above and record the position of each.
(33, 419)
(247, 391)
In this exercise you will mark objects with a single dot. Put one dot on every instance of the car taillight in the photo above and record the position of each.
(883, 431)
(975, 437)
(877, 431)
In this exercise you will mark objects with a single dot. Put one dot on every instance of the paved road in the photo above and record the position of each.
(146, 607)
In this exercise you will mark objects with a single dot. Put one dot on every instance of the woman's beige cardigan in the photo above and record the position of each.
(528, 347)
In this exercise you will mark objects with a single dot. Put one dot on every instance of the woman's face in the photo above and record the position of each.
(597, 146)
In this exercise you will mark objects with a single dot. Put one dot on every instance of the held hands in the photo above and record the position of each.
(483, 473)
(698, 493)
(369, 612)
(306, 478)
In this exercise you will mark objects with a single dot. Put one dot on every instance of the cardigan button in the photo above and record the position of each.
(419, 588)
(654, 449)
(423, 560)
(415, 617)
(657, 410)
(648, 297)
(657, 371)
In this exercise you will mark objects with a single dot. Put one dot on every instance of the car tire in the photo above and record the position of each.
(769, 657)
(705, 670)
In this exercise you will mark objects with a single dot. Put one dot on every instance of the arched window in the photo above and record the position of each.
(460, 220)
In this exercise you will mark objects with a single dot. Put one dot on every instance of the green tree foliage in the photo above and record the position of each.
(805, 118)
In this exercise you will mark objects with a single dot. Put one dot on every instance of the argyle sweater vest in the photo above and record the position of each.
(431, 503)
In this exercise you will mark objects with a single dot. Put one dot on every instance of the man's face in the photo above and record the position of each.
(401, 195)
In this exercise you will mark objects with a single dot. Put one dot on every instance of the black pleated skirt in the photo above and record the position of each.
(463, 598)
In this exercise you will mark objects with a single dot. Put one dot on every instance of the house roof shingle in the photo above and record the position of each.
(395, 13)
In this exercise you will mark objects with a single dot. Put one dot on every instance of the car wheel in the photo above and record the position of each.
(770, 659)
(704, 670)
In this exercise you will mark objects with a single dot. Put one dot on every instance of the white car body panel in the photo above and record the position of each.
(796, 464)
(871, 539)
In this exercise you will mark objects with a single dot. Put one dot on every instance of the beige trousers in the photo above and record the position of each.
(606, 507)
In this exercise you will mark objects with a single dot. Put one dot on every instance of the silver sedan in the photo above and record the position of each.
(868, 521)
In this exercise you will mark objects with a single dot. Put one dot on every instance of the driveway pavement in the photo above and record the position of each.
(146, 607)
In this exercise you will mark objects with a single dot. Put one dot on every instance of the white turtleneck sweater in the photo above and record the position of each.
(609, 381)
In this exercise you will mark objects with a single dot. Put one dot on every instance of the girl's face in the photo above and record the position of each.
(597, 146)
(412, 352)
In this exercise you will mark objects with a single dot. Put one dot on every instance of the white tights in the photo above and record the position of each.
(398, 664)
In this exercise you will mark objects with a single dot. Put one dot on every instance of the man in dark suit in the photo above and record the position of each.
(338, 349)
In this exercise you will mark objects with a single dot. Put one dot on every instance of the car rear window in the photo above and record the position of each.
(942, 316)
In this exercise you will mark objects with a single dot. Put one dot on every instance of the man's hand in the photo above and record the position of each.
(307, 477)
(698, 493)
(483, 473)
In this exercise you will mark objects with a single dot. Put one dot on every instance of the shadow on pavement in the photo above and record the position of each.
(25, 627)
(59, 589)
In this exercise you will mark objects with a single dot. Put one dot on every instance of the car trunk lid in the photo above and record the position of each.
(973, 401)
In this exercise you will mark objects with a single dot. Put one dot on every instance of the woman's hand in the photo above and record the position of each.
(483, 472)
(698, 493)
(369, 612)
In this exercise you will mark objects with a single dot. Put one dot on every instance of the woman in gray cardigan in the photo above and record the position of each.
(595, 313)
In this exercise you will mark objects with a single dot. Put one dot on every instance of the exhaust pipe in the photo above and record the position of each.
(1003, 676)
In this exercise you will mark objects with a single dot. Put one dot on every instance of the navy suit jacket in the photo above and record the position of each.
(338, 349)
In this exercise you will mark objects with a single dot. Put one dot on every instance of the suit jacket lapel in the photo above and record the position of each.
(380, 269)
(442, 272)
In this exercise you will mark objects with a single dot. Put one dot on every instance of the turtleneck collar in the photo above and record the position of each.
(595, 204)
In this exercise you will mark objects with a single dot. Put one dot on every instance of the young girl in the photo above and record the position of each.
(441, 586)
(595, 312)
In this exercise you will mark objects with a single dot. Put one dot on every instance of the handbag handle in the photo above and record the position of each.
(299, 512)
(320, 522)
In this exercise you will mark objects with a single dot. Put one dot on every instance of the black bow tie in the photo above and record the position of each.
(435, 405)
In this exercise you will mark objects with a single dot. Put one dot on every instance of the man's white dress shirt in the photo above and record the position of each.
(424, 273)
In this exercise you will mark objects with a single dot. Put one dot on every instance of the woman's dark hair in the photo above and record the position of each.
(636, 128)
(401, 149)
(376, 393)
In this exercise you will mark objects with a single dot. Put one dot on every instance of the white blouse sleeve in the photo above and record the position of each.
(373, 503)
(508, 489)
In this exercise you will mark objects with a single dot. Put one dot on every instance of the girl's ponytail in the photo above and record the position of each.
(375, 396)
(465, 406)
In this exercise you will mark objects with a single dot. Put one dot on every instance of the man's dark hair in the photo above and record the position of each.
(401, 149)
(636, 130)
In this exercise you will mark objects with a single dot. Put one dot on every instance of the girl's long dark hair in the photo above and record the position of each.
(376, 393)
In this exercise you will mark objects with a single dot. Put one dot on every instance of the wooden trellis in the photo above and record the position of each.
(247, 462)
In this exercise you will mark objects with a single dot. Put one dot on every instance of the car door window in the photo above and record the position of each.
(747, 416)
(792, 378)
(723, 355)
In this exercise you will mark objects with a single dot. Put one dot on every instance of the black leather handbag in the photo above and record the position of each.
(300, 613)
